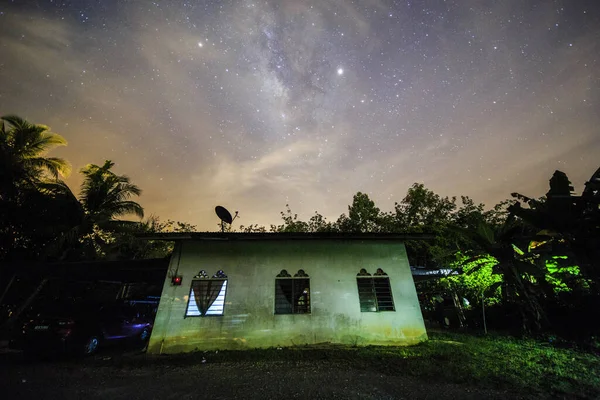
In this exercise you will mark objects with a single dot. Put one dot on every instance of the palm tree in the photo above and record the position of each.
(105, 195)
(30, 189)
(22, 155)
(94, 217)
(104, 198)
(28, 183)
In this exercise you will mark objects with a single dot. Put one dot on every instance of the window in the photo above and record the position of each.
(207, 295)
(374, 292)
(292, 294)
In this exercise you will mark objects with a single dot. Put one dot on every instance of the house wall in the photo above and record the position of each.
(249, 320)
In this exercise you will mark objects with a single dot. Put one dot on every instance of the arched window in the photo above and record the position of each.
(374, 292)
(292, 294)
(207, 295)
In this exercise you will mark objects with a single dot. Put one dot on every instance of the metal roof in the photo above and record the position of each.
(234, 236)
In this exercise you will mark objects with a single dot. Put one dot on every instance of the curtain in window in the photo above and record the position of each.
(301, 296)
(286, 288)
(292, 295)
(206, 292)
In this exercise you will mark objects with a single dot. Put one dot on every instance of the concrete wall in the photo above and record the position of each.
(249, 320)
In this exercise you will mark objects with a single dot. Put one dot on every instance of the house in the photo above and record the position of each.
(250, 290)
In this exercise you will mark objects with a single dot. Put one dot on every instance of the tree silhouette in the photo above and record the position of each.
(30, 186)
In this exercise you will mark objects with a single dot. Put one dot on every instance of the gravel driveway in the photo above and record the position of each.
(135, 377)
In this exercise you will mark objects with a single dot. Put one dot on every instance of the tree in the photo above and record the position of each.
(30, 191)
(568, 221)
(105, 195)
(253, 228)
(498, 215)
(104, 198)
(518, 275)
(477, 280)
(127, 245)
(421, 207)
(30, 187)
(363, 216)
(318, 223)
(423, 211)
(468, 214)
(22, 155)
(291, 223)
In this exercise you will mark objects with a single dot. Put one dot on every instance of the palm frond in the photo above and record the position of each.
(122, 191)
(53, 165)
(93, 170)
(59, 188)
(34, 140)
(3, 134)
(40, 141)
(485, 232)
(124, 208)
(23, 146)
(15, 121)
(105, 195)
(122, 226)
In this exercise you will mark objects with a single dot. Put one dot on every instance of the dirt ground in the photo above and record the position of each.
(134, 376)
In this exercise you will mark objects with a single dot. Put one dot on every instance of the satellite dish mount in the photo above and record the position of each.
(225, 217)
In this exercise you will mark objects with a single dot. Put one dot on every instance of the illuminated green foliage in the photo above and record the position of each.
(568, 222)
(476, 280)
(558, 274)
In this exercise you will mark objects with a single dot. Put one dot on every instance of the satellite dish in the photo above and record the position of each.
(225, 216)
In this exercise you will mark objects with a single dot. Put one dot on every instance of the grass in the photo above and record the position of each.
(520, 365)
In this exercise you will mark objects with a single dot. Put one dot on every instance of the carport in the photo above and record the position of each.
(131, 280)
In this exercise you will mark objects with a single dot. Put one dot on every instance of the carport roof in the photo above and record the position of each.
(145, 270)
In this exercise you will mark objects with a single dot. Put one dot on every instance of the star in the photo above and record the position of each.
(340, 71)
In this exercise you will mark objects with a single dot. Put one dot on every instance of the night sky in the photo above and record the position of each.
(255, 104)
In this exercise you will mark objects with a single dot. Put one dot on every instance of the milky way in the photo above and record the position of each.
(255, 104)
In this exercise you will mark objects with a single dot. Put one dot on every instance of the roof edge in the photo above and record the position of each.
(232, 236)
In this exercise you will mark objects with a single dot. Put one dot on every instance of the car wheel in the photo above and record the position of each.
(91, 344)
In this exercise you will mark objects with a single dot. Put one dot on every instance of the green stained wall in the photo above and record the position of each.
(249, 320)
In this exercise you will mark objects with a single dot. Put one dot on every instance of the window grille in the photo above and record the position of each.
(374, 292)
(292, 294)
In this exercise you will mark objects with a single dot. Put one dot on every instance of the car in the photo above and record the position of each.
(81, 328)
